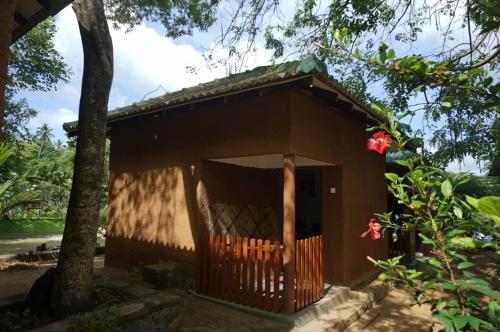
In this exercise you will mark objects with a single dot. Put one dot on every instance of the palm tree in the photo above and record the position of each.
(43, 134)
(20, 199)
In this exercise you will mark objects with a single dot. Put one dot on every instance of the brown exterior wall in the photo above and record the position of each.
(163, 192)
(326, 134)
(160, 190)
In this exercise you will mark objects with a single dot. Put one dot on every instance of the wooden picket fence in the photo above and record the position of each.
(309, 285)
(240, 270)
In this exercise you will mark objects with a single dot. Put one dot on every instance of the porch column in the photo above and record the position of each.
(289, 232)
(6, 24)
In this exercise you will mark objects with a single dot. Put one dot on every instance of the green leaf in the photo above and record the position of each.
(460, 322)
(377, 108)
(490, 205)
(446, 188)
(446, 104)
(474, 322)
(391, 54)
(434, 262)
(465, 265)
(382, 276)
(434, 225)
(458, 212)
(336, 35)
(391, 176)
(477, 282)
(488, 292)
(448, 286)
(402, 162)
(472, 201)
(469, 274)
(455, 232)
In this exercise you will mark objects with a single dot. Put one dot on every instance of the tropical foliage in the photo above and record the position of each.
(435, 62)
(433, 207)
(10, 200)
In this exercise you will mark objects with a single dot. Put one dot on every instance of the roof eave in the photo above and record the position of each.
(72, 127)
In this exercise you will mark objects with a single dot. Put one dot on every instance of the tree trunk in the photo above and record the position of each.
(6, 24)
(75, 265)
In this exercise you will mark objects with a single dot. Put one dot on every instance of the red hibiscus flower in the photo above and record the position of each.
(379, 142)
(373, 229)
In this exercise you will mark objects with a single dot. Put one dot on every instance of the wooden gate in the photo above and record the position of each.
(309, 286)
(240, 270)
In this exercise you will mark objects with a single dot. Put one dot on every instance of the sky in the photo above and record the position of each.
(148, 64)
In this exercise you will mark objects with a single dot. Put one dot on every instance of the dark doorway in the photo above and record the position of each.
(307, 203)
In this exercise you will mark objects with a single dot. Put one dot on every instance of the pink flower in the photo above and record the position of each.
(379, 142)
(373, 229)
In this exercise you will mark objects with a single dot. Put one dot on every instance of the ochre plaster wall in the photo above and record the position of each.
(159, 187)
(320, 132)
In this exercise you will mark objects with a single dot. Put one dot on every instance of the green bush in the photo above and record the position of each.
(480, 186)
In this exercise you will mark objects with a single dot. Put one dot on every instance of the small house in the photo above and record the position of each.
(262, 180)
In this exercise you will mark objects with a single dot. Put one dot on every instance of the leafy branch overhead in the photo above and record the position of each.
(436, 59)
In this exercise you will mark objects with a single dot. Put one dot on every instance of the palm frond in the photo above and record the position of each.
(21, 199)
(5, 153)
(6, 185)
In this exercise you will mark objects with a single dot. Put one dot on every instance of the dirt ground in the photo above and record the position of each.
(394, 313)
(18, 280)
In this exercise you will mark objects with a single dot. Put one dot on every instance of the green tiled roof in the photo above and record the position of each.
(250, 78)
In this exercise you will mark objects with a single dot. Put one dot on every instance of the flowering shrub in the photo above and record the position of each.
(459, 299)
(379, 142)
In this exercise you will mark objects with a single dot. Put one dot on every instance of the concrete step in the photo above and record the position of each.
(340, 310)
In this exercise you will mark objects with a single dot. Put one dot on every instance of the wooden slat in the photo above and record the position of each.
(240, 269)
(297, 276)
(267, 272)
(217, 266)
(199, 263)
(315, 268)
(303, 273)
(211, 265)
(260, 301)
(238, 287)
(310, 269)
(251, 267)
(230, 270)
(223, 267)
(300, 281)
(244, 274)
(322, 271)
(306, 262)
(204, 266)
(276, 277)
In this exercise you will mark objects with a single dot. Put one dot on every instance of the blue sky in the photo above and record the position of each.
(145, 59)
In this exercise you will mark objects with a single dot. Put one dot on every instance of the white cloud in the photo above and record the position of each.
(468, 165)
(143, 60)
(55, 119)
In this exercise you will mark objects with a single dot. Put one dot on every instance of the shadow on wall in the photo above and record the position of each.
(122, 252)
(153, 215)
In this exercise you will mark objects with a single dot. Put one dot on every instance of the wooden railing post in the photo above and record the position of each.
(289, 233)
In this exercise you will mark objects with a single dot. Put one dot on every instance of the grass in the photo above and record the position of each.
(30, 226)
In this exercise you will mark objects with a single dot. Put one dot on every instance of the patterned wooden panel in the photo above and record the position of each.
(261, 222)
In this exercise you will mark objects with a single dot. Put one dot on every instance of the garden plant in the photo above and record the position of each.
(433, 207)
